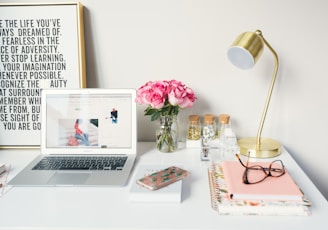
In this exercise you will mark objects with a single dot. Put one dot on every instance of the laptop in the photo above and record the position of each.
(88, 138)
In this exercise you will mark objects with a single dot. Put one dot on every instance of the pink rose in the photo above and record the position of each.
(188, 99)
(143, 94)
(181, 95)
(175, 84)
(153, 94)
(176, 95)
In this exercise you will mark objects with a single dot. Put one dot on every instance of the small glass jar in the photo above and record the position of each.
(224, 122)
(208, 135)
(209, 127)
(194, 128)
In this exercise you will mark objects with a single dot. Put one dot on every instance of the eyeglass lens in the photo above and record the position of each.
(257, 173)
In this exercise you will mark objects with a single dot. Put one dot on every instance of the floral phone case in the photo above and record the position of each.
(163, 178)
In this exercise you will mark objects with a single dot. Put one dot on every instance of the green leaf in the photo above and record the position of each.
(166, 110)
(155, 116)
(150, 111)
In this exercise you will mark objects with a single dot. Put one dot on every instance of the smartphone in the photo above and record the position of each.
(163, 178)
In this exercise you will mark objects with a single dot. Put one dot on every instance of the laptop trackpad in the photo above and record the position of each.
(67, 178)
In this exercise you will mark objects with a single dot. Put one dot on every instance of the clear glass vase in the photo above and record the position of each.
(167, 133)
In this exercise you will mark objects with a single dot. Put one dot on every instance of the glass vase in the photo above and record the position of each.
(167, 133)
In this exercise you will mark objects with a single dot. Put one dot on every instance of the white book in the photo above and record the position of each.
(168, 194)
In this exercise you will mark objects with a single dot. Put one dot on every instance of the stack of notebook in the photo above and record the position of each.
(273, 196)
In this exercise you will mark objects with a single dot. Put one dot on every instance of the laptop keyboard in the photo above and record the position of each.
(81, 163)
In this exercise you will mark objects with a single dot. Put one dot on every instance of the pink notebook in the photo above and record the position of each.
(272, 188)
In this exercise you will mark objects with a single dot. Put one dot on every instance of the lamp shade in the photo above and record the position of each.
(246, 50)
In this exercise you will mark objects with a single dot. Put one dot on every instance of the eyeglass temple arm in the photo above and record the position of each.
(240, 160)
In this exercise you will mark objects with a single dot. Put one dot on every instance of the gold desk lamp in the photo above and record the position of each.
(244, 53)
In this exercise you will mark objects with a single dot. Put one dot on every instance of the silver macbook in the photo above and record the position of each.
(88, 138)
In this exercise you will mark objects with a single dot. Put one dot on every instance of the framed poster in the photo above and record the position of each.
(41, 47)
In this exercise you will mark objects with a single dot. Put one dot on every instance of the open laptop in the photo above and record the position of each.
(79, 124)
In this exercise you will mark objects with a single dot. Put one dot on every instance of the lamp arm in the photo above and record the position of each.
(258, 137)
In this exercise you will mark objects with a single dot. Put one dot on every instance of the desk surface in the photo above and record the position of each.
(110, 208)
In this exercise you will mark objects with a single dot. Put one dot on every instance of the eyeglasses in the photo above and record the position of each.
(256, 173)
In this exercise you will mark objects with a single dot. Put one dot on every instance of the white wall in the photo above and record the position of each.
(129, 42)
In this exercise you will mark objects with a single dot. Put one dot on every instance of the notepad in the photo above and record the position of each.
(272, 188)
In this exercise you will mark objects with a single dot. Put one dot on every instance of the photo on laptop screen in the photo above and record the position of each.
(84, 133)
(88, 121)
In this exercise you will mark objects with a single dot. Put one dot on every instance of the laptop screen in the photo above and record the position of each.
(89, 119)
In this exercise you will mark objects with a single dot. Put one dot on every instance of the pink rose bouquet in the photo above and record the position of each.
(165, 98)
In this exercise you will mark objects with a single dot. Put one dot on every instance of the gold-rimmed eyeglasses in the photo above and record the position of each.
(256, 173)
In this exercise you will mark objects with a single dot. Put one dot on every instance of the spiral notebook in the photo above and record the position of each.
(221, 202)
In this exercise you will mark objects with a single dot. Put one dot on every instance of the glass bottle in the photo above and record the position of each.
(224, 122)
(194, 128)
(208, 134)
(228, 144)
(227, 139)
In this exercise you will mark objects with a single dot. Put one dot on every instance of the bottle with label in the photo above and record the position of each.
(194, 128)
(208, 134)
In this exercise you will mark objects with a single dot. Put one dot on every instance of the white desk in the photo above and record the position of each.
(109, 208)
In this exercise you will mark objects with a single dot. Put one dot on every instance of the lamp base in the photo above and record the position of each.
(268, 148)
